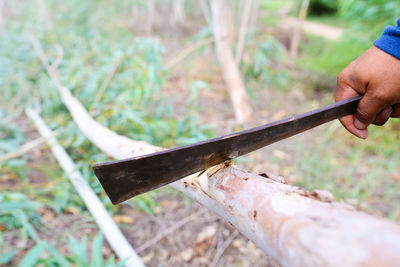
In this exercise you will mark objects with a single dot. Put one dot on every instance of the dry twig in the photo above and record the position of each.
(169, 230)
(221, 248)
(187, 51)
(106, 82)
(24, 148)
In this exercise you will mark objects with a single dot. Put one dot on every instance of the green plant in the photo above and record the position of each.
(80, 258)
(323, 7)
(262, 61)
(330, 57)
(360, 172)
(78, 255)
(370, 16)
(18, 211)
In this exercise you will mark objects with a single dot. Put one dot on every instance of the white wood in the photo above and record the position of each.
(110, 230)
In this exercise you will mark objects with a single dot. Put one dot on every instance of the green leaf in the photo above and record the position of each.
(79, 251)
(12, 206)
(97, 246)
(58, 257)
(122, 263)
(7, 256)
(33, 255)
(27, 225)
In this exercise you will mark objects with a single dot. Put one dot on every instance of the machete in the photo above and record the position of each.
(127, 178)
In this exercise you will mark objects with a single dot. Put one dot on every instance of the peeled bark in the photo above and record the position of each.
(293, 226)
(222, 31)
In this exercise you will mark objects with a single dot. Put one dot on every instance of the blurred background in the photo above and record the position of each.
(154, 71)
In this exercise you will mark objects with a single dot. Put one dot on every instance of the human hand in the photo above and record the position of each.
(376, 75)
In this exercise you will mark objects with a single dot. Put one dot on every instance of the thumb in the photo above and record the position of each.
(367, 109)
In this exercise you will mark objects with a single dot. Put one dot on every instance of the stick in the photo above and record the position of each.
(106, 82)
(187, 51)
(169, 231)
(24, 149)
(221, 249)
(111, 231)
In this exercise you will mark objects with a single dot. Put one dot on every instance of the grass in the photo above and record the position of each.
(363, 173)
(329, 57)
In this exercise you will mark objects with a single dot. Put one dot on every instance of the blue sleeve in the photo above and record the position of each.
(390, 40)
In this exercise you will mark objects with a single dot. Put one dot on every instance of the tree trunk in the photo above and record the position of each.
(295, 40)
(178, 12)
(2, 19)
(43, 13)
(244, 25)
(151, 9)
(222, 29)
(293, 226)
(254, 14)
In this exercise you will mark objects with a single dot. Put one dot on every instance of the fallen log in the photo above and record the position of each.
(293, 226)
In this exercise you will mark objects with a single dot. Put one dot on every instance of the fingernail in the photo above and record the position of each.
(364, 134)
(359, 125)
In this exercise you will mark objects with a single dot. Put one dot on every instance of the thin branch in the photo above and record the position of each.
(111, 231)
(106, 82)
(57, 61)
(187, 51)
(221, 249)
(25, 148)
(169, 230)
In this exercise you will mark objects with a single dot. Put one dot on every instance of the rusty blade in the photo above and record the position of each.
(126, 178)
